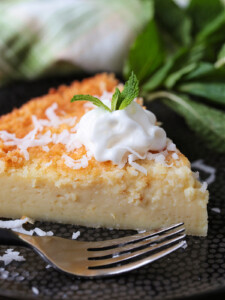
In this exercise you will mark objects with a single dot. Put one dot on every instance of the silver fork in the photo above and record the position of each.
(105, 258)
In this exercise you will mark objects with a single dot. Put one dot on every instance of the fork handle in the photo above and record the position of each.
(10, 238)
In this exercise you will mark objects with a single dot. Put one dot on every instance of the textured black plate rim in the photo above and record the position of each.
(217, 292)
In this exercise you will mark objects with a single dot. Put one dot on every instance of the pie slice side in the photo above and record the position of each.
(46, 175)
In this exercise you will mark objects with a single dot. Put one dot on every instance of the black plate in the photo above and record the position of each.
(197, 271)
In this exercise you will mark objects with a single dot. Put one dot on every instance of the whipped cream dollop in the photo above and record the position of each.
(113, 136)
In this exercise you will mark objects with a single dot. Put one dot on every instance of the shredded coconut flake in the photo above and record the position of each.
(36, 230)
(134, 173)
(204, 187)
(115, 255)
(68, 139)
(185, 245)
(48, 164)
(171, 146)
(75, 164)
(17, 226)
(41, 232)
(199, 165)
(136, 165)
(141, 231)
(121, 165)
(45, 148)
(160, 158)
(157, 157)
(12, 224)
(216, 210)
(11, 255)
(3, 273)
(175, 156)
(48, 266)
(33, 139)
(54, 120)
(75, 235)
(35, 290)
(196, 174)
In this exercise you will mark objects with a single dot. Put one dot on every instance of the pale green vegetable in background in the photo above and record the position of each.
(45, 36)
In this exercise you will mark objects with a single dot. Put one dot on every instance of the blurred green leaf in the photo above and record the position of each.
(207, 122)
(175, 68)
(186, 57)
(221, 57)
(211, 90)
(206, 72)
(173, 78)
(202, 70)
(156, 80)
(222, 52)
(213, 32)
(173, 21)
(146, 54)
(202, 12)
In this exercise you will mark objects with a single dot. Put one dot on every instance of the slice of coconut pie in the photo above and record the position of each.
(81, 164)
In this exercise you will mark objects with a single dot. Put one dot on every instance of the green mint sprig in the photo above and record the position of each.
(120, 100)
(92, 99)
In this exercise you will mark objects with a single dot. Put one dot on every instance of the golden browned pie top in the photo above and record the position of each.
(20, 123)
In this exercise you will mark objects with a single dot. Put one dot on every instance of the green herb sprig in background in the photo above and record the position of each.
(180, 58)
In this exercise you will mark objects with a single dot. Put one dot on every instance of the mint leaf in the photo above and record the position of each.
(213, 32)
(115, 99)
(92, 99)
(207, 122)
(173, 21)
(221, 57)
(214, 91)
(120, 100)
(173, 64)
(146, 54)
(203, 69)
(176, 76)
(177, 66)
(206, 72)
(157, 79)
(202, 12)
(222, 52)
(129, 93)
(188, 56)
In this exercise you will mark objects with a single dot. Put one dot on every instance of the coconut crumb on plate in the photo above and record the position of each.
(35, 290)
(11, 255)
(75, 235)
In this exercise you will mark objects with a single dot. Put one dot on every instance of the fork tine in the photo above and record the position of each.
(134, 265)
(124, 257)
(132, 238)
(136, 245)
